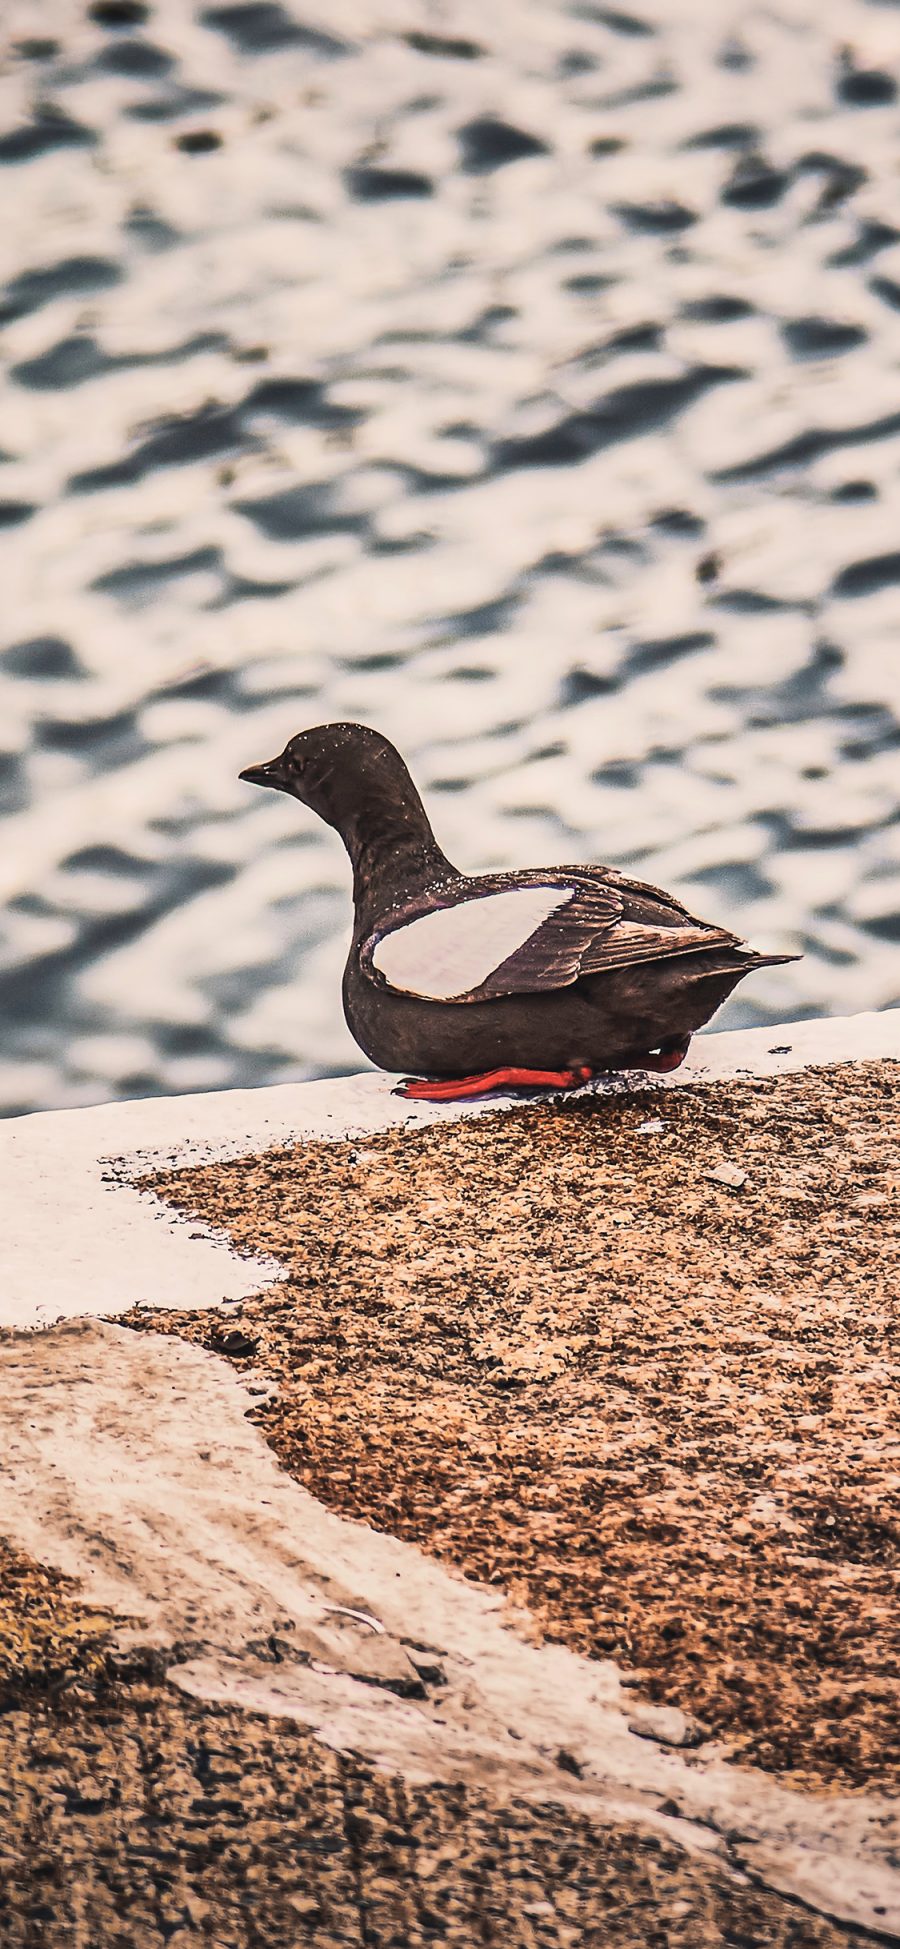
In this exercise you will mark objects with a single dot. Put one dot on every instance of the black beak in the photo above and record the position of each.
(270, 774)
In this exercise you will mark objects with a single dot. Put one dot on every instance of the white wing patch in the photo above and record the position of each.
(450, 952)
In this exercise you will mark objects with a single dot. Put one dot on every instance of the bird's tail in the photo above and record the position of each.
(755, 960)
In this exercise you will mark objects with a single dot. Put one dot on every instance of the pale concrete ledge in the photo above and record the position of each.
(251, 1720)
(80, 1241)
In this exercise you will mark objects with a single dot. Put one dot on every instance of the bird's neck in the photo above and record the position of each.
(394, 856)
(374, 805)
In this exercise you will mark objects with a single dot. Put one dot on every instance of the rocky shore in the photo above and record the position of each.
(518, 1564)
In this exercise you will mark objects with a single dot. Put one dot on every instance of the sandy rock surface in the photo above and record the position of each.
(644, 1390)
(631, 1360)
(146, 1781)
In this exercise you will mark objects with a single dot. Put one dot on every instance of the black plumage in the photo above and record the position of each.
(612, 974)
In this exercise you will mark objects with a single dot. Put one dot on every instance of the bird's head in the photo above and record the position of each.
(338, 770)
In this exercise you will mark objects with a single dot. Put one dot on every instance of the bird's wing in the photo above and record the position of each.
(653, 925)
(542, 933)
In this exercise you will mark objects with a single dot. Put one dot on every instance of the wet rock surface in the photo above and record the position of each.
(567, 1351)
(530, 392)
(138, 1818)
(267, 1724)
(48, 1640)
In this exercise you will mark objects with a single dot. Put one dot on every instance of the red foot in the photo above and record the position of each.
(665, 1059)
(452, 1089)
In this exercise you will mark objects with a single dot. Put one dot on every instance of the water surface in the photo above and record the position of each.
(524, 381)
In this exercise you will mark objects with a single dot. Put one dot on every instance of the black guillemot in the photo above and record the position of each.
(533, 978)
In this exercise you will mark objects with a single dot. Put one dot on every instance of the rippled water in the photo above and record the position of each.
(524, 380)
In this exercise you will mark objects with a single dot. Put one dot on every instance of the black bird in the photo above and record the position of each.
(474, 982)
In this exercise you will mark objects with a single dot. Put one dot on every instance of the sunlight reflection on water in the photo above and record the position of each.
(529, 391)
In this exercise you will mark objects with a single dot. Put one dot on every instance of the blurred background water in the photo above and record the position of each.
(523, 380)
